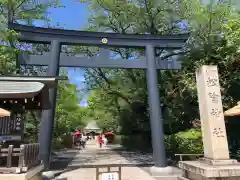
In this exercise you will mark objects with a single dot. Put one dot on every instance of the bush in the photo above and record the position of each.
(117, 139)
(141, 142)
(57, 144)
(188, 142)
(64, 141)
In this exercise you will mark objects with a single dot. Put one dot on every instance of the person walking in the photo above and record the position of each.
(77, 140)
(105, 141)
(83, 139)
(100, 141)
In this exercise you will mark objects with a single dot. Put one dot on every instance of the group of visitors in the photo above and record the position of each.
(79, 140)
(102, 140)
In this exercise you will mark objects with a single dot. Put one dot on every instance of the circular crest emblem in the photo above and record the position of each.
(104, 40)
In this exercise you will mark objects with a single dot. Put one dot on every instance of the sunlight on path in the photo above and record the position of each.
(92, 155)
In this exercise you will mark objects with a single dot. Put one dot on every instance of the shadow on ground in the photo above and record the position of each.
(71, 160)
(62, 159)
(143, 159)
(133, 157)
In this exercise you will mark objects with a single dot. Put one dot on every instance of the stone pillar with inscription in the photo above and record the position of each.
(211, 114)
(216, 163)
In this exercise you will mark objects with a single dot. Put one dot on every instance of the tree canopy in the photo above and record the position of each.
(69, 114)
(121, 94)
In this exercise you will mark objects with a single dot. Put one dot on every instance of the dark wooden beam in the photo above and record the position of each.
(95, 62)
(46, 35)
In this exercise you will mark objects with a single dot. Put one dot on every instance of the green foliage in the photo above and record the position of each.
(188, 142)
(140, 142)
(17, 11)
(69, 114)
(7, 65)
(119, 97)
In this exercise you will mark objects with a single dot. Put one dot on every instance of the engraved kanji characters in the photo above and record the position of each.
(212, 81)
(218, 132)
(215, 112)
(214, 97)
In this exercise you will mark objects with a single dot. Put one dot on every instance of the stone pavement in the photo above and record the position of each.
(128, 173)
(81, 164)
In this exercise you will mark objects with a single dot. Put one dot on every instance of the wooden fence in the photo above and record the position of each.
(17, 160)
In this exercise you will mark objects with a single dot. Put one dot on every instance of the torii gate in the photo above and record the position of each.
(57, 38)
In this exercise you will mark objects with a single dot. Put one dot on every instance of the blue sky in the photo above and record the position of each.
(74, 16)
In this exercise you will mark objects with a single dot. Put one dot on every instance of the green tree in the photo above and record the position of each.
(68, 112)
(123, 92)
(18, 11)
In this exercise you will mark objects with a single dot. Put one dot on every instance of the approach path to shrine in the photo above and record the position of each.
(81, 165)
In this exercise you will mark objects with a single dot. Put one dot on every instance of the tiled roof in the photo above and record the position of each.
(24, 86)
(92, 125)
(15, 89)
(49, 81)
